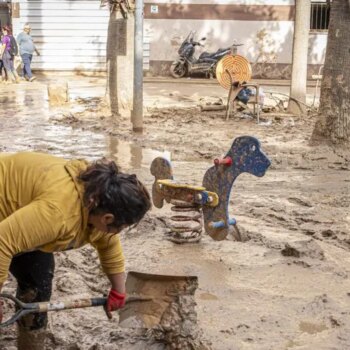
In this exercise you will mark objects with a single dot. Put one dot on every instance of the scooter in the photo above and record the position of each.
(187, 64)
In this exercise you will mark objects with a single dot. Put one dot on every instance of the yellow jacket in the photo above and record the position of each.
(41, 208)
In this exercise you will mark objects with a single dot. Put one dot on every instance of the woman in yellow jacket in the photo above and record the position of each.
(49, 204)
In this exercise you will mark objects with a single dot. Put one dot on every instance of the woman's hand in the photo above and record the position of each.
(115, 301)
(116, 297)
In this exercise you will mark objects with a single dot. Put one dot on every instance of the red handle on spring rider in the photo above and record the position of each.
(224, 161)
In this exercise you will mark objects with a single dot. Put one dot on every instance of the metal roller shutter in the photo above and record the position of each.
(70, 35)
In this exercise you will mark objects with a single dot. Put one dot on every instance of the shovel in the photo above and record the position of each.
(162, 292)
(148, 297)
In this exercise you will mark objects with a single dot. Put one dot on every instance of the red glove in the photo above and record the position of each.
(115, 301)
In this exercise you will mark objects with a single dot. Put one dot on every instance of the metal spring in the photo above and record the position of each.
(187, 226)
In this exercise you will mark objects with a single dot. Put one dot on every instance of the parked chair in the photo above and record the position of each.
(232, 102)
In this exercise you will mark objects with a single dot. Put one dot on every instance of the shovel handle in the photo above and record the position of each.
(23, 309)
(69, 304)
(76, 304)
(28, 308)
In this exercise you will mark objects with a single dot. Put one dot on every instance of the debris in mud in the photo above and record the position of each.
(245, 115)
(210, 101)
(266, 123)
(269, 109)
(58, 94)
(212, 105)
(334, 322)
(305, 248)
(68, 118)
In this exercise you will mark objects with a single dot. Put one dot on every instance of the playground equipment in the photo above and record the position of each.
(211, 200)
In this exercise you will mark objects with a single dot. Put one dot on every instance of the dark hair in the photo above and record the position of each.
(109, 191)
(8, 29)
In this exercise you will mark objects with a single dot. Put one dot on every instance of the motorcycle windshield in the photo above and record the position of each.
(185, 43)
(190, 36)
(186, 50)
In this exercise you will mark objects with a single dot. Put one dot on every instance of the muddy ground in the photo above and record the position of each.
(286, 287)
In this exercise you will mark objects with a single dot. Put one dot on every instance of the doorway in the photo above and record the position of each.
(5, 18)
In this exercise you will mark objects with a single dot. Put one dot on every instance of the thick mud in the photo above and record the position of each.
(285, 287)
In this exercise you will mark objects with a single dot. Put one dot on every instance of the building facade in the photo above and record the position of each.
(72, 34)
(264, 27)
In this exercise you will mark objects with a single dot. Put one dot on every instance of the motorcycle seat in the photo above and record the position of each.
(222, 50)
(205, 54)
(212, 54)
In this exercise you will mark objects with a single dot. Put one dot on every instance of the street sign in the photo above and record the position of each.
(154, 8)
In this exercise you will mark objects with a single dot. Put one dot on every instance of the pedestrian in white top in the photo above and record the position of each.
(26, 49)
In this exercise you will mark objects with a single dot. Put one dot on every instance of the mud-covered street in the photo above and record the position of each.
(285, 287)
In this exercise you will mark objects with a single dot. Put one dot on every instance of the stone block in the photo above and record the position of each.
(58, 94)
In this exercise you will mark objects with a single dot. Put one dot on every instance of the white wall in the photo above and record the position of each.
(263, 40)
(72, 34)
(317, 47)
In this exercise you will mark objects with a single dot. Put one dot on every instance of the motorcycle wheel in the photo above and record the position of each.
(178, 69)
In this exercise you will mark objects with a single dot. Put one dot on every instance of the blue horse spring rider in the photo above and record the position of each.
(209, 202)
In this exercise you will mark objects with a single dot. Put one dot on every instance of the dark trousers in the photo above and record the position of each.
(7, 61)
(2, 69)
(34, 273)
(27, 60)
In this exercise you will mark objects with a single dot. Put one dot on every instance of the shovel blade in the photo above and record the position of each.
(158, 293)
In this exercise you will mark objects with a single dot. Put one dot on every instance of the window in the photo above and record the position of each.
(320, 12)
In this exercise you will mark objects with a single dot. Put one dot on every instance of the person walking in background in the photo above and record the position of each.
(2, 71)
(9, 46)
(27, 48)
(3, 76)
